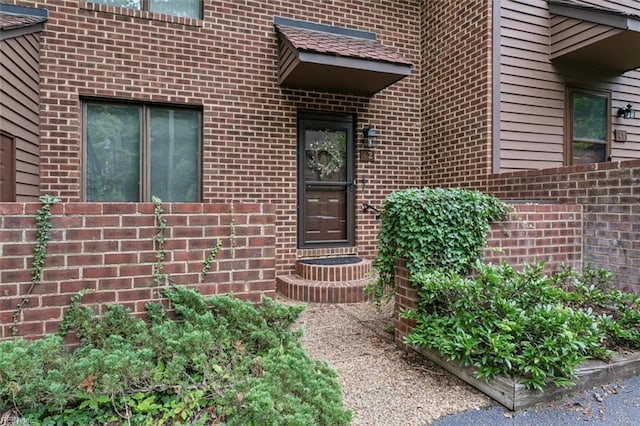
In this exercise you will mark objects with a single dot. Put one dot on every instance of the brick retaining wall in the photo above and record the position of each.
(610, 196)
(108, 247)
(533, 233)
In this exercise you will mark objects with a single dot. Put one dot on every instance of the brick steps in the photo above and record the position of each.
(327, 283)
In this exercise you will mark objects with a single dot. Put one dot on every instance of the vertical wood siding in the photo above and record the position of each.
(533, 88)
(19, 67)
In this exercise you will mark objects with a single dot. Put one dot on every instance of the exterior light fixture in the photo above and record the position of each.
(625, 112)
(369, 137)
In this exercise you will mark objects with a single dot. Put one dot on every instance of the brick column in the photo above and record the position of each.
(406, 297)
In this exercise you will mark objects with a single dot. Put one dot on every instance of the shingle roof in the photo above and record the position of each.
(340, 45)
(9, 21)
(587, 6)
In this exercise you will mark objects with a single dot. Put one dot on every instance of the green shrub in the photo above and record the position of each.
(432, 228)
(525, 324)
(218, 360)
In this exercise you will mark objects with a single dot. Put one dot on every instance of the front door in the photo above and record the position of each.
(325, 180)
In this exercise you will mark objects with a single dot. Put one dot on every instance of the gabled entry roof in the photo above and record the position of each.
(19, 20)
(604, 38)
(334, 59)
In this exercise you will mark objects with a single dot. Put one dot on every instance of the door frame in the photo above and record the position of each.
(328, 120)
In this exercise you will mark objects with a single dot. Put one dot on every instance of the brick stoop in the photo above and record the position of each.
(326, 283)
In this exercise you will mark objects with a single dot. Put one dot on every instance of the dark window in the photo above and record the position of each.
(182, 8)
(589, 124)
(134, 152)
(7, 168)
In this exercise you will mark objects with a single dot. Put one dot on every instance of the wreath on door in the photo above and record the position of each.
(326, 157)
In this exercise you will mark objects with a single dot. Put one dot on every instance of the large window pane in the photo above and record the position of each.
(175, 136)
(113, 152)
(184, 8)
(131, 4)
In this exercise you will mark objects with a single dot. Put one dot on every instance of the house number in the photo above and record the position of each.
(367, 156)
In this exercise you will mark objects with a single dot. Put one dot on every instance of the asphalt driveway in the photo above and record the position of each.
(614, 404)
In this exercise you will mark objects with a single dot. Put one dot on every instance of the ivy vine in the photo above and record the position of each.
(432, 229)
(209, 259)
(159, 240)
(43, 234)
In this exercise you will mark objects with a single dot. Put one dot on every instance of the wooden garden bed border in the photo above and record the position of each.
(514, 396)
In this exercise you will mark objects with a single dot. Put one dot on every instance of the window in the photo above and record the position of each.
(133, 152)
(589, 124)
(182, 8)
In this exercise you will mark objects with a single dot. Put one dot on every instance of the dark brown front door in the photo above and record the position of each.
(325, 180)
(7, 168)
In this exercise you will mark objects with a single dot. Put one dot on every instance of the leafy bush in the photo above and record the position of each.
(524, 324)
(432, 228)
(217, 360)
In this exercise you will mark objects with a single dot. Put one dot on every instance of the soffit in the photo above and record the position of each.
(333, 59)
(616, 47)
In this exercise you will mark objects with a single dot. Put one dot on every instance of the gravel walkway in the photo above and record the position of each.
(380, 383)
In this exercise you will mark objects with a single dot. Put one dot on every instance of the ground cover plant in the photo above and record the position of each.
(207, 360)
(499, 320)
(432, 228)
(524, 324)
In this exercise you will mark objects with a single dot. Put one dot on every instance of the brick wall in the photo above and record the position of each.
(108, 248)
(456, 86)
(538, 232)
(610, 196)
(226, 64)
(533, 233)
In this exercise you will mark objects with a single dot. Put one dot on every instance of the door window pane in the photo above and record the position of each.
(586, 152)
(175, 136)
(113, 152)
(589, 117)
(326, 155)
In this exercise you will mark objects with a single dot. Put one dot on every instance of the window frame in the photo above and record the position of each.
(144, 185)
(569, 123)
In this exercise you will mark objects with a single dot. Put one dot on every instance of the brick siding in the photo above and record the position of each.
(610, 196)
(108, 248)
(456, 86)
(533, 233)
(226, 64)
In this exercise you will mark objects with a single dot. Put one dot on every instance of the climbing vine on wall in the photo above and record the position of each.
(432, 229)
(159, 239)
(43, 234)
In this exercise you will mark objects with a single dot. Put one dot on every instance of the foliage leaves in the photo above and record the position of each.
(432, 228)
(525, 324)
(210, 359)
